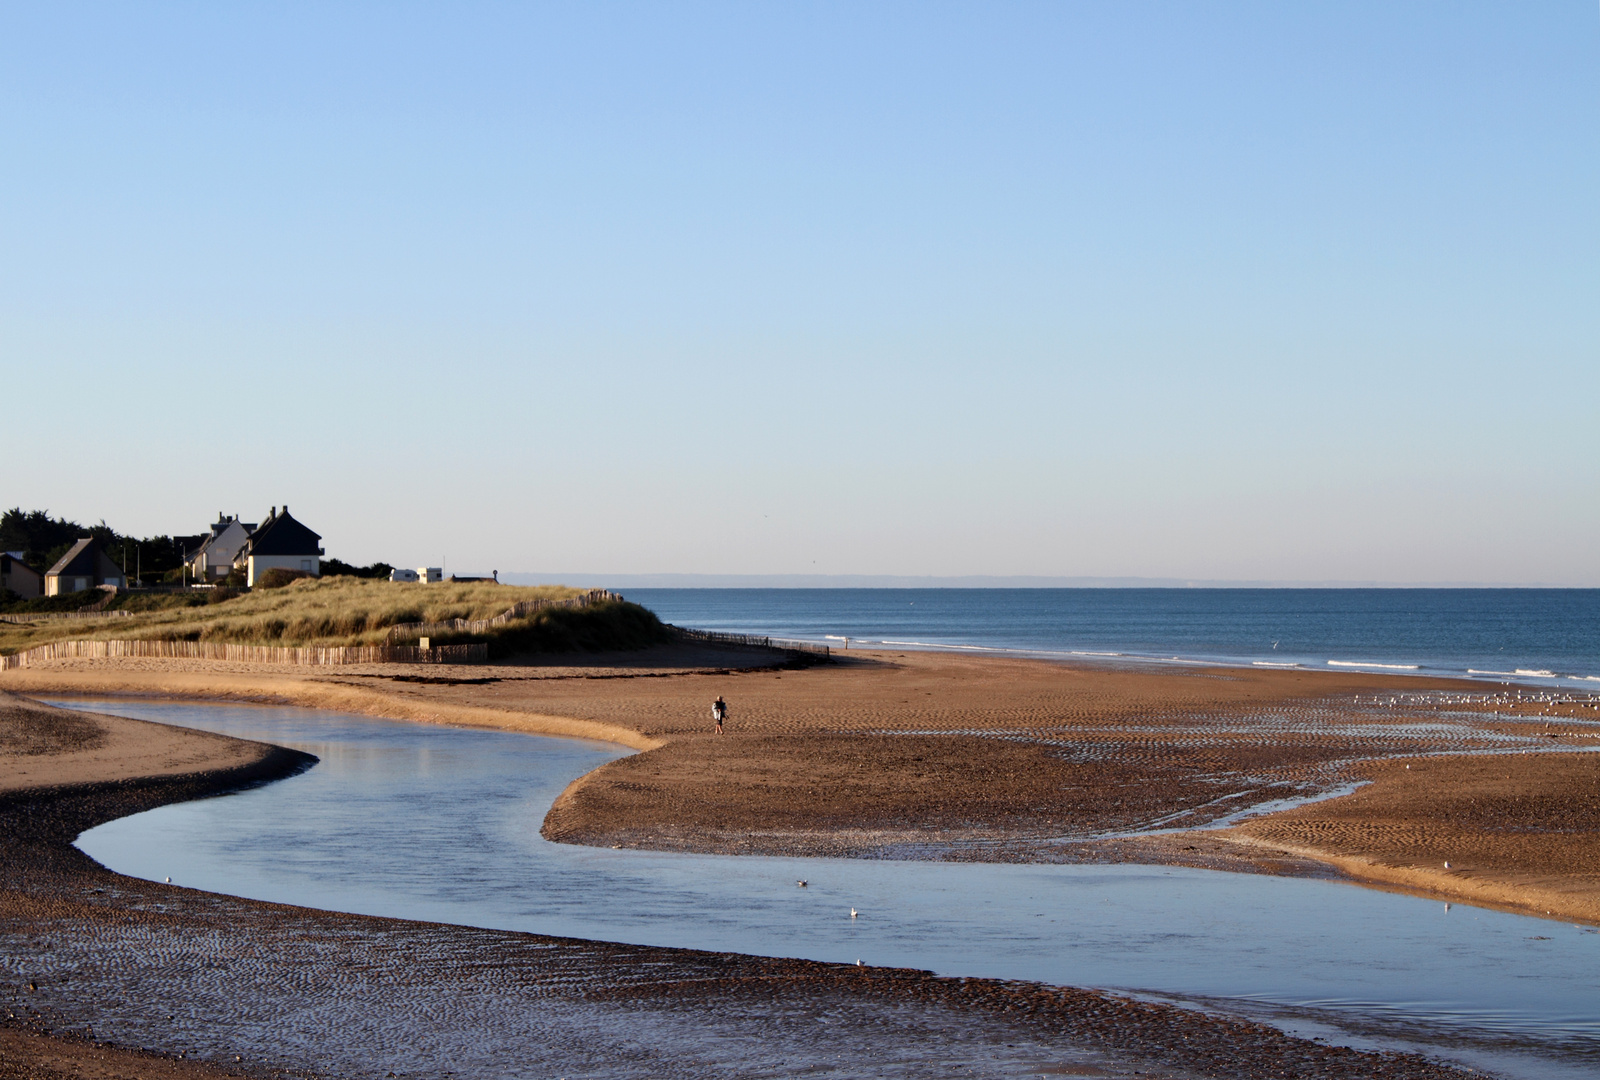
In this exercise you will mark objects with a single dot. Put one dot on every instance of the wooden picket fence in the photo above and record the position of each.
(717, 637)
(400, 631)
(305, 656)
(56, 616)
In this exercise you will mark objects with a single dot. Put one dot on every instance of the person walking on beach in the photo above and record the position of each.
(719, 712)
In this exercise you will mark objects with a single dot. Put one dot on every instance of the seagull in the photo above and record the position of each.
(852, 912)
(860, 964)
(169, 881)
(801, 883)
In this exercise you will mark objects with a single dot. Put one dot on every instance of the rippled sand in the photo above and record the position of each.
(933, 755)
(108, 976)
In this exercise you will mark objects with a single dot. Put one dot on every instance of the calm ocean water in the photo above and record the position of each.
(1537, 636)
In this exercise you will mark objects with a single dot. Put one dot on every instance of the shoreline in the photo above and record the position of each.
(105, 973)
(744, 778)
(1529, 679)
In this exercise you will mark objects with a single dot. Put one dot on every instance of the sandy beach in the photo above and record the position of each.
(933, 755)
(115, 977)
(908, 755)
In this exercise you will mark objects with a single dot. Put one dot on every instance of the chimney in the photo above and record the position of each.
(272, 513)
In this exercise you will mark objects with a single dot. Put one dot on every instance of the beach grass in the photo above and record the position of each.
(354, 611)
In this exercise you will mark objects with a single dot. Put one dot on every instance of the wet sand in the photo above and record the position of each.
(939, 756)
(108, 976)
(1519, 833)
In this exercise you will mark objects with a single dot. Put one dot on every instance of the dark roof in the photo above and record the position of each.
(281, 534)
(85, 560)
(14, 559)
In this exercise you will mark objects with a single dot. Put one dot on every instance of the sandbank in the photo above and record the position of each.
(933, 755)
(116, 977)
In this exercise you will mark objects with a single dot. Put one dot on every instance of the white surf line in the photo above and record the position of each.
(1134, 658)
(1285, 665)
(1374, 664)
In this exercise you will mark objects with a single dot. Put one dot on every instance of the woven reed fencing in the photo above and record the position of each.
(308, 655)
(56, 616)
(717, 637)
(515, 611)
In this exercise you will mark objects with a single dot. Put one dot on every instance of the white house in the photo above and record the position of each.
(214, 557)
(280, 542)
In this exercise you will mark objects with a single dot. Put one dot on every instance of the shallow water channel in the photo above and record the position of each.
(424, 822)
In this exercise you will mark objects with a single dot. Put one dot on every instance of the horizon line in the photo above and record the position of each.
(979, 581)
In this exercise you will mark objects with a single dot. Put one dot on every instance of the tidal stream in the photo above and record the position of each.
(423, 822)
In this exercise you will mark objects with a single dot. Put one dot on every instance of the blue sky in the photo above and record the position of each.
(1221, 291)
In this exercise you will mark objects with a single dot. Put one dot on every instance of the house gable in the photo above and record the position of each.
(18, 576)
(282, 535)
(84, 566)
(78, 561)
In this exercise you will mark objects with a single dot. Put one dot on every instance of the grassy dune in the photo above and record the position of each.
(352, 611)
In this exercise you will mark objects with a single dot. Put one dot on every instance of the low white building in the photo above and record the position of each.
(430, 573)
(398, 574)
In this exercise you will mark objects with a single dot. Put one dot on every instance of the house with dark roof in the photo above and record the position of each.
(279, 542)
(83, 567)
(19, 577)
(212, 557)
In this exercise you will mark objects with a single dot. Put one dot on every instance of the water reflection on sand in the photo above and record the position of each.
(415, 821)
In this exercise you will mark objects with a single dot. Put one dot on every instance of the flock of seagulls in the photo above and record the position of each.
(1510, 699)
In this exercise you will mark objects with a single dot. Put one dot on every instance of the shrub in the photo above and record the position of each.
(141, 602)
(613, 626)
(278, 577)
(340, 568)
(60, 602)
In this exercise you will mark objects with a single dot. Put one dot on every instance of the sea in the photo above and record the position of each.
(1547, 637)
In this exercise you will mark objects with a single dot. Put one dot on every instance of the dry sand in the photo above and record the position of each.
(104, 976)
(932, 755)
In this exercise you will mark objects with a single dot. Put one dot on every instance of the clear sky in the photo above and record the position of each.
(1196, 290)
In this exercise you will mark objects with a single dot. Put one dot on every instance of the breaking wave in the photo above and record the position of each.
(1373, 664)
